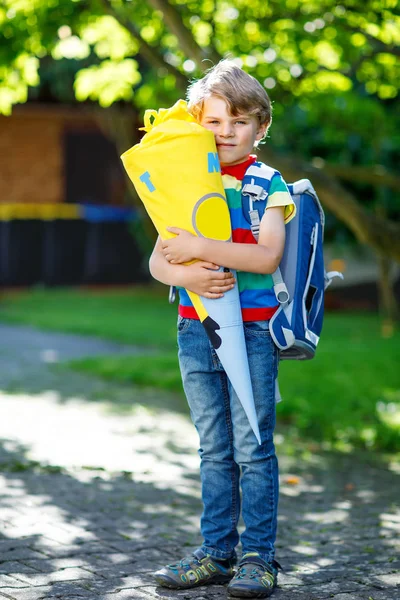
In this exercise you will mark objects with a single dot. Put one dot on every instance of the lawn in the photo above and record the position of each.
(140, 316)
(349, 395)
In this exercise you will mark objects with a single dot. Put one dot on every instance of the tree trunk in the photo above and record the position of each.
(387, 300)
(121, 127)
(173, 20)
(371, 174)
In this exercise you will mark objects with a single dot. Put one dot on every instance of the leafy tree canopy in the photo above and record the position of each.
(299, 49)
(331, 69)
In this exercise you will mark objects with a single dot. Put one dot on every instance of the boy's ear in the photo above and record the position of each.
(261, 131)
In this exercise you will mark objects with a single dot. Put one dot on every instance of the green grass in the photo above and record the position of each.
(350, 392)
(157, 370)
(139, 315)
(348, 395)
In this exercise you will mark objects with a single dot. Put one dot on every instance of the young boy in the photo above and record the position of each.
(236, 108)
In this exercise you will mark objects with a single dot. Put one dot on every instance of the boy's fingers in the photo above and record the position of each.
(208, 265)
(223, 278)
(174, 229)
(222, 275)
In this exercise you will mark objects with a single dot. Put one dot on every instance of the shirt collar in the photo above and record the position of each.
(239, 170)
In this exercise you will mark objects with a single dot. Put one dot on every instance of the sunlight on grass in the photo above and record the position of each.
(137, 315)
(158, 370)
(349, 395)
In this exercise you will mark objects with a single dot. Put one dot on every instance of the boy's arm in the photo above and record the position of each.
(263, 257)
(201, 277)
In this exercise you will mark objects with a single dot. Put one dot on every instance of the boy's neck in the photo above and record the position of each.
(240, 169)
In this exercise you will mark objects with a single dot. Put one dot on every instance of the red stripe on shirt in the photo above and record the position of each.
(243, 236)
(187, 312)
(258, 314)
(248, 314)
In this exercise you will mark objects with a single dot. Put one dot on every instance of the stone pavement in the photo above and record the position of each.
(99, 487)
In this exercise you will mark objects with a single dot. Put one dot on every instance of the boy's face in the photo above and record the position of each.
(234, 136)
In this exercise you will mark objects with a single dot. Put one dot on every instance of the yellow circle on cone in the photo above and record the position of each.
(212, 219)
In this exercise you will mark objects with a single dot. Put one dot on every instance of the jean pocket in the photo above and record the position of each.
(183, 324)
(256, 328)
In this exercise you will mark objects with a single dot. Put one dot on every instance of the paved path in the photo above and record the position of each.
(99, 486)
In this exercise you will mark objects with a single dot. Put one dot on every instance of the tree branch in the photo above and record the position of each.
(376, 43)
(353, 68)
(175, 24)
(383, 235)
(376, 175)
(150, 54)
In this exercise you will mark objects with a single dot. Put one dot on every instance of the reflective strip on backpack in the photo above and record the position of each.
(313, 243)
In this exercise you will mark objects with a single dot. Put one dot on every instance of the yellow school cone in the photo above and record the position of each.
(176, 173)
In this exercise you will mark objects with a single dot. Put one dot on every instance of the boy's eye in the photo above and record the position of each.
(241, 122)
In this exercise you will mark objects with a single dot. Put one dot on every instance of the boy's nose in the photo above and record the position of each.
(226, 130)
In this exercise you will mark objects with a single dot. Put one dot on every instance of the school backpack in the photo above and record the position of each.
(301, 280)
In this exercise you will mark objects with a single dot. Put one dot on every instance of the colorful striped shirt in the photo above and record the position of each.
(257, 296)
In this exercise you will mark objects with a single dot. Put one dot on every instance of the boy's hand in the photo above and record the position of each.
(181, 248)
(204, 279)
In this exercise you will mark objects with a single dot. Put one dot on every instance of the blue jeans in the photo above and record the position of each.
(230, 454)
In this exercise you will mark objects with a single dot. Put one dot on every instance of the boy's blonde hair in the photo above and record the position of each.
(242, 92)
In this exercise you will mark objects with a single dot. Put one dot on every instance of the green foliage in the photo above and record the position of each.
(332, 70)
(297, 47)
(109, 39)
(108, 82)
(16, 77)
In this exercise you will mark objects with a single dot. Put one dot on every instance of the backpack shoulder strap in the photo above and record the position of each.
(255, 189)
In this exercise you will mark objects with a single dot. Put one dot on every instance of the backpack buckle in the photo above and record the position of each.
(255, 192)
(172, 294)
(331, 275)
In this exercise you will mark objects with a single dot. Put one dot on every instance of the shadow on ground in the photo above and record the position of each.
(99, 532)
(99, 487)
(55, 522)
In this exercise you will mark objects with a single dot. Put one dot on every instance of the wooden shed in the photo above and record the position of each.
(65, 216)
